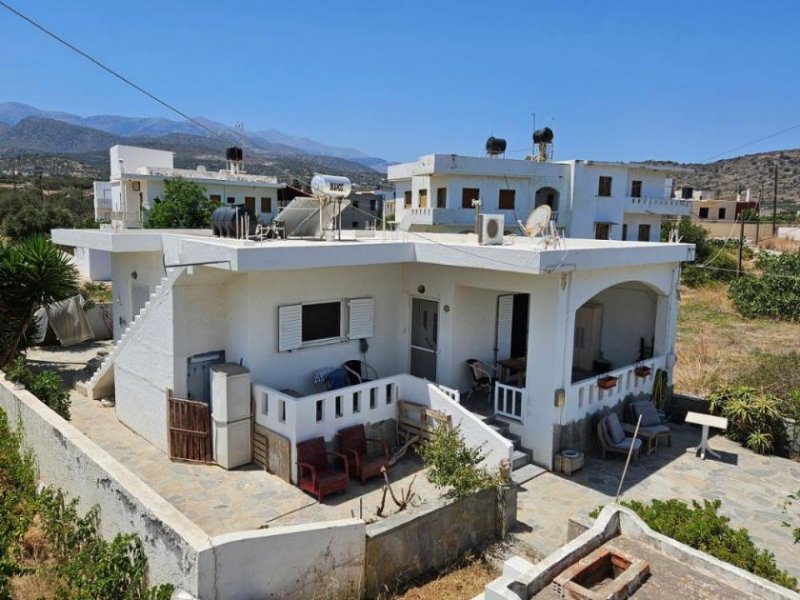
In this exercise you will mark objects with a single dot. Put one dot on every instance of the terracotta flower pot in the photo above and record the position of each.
(606, 383)
(642, 371)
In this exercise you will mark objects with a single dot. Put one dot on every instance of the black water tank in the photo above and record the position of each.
(233, 153)
(223, 220)
(543, 136)
(495, 146)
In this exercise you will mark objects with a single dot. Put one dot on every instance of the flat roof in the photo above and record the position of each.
(518, 254)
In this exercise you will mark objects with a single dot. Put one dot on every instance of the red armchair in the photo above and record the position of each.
(353, 442)
(315, 473)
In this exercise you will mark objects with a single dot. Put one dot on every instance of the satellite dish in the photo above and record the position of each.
(538, 221)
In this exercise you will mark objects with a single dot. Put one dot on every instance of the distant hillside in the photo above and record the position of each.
(270, 140)
(60, 148)
(752, 170)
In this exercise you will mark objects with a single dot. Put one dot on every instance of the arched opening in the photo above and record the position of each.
(549, 196)
(615, 328)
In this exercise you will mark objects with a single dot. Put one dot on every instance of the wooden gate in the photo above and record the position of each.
(189, 430)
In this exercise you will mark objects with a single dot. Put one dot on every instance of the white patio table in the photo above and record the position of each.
(706, 421)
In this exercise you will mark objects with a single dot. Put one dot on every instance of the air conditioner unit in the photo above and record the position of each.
(491, 229)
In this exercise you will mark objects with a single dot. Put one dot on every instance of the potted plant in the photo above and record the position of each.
(607, 382)
(642, 370)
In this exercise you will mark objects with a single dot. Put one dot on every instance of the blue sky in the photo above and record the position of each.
(681, 80)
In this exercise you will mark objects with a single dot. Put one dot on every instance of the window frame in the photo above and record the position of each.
(501, 199)
(328, 340)
(721, 213)
(268, 202)
(602, 192)
(644, 227)
(407, 199)
(702, 212)
(472, 196)
(422, 198)
(441, 197)
(597, 228)
(636, 188)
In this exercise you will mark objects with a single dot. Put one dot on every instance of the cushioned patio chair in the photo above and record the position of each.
(359, 372)
(483, 376)
(613, 439)
(353, 442)
(651, 428)
(315, 472)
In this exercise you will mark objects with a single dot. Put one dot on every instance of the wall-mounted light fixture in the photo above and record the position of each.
(446, 308)
(134, 275)
(560, 397)
(421, 289)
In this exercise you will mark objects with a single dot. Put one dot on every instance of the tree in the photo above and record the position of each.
(184, 206)
(33, 273)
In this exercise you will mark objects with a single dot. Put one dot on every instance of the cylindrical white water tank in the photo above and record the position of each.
(333, 186)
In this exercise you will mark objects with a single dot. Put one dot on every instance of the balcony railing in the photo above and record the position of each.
(509, 401)
(663, 206)
(325, 413)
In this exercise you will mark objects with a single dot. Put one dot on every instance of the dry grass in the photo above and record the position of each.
(465, 582)
(780, 244)
(714, 343)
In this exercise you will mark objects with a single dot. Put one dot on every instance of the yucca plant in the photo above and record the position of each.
(33, 273)
(754, 417)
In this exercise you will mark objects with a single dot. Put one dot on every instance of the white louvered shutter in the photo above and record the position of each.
(361, 318)
(290, 327)
(505, 314)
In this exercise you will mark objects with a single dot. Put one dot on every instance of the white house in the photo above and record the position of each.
(137, 180)
(414, 308)
(590, 199)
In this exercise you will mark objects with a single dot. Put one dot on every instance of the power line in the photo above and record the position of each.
(761, 139)
(109, 70)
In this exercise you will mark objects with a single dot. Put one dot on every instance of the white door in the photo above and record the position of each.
(505, 320)
(588, 323)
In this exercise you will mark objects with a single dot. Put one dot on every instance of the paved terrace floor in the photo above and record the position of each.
(751, 487)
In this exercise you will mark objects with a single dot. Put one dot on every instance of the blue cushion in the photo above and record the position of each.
(626, 444)
(337, 379)
(616, 434)
(647, 410)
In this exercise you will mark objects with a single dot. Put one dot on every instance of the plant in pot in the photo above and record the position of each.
(642, 370)
(607, 382)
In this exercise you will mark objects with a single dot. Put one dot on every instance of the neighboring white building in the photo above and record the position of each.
(137, 180)
(415, 309)
(590, 199)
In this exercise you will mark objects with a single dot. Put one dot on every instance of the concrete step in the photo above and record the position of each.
(514, 439)
(526, 473)
(519, 459)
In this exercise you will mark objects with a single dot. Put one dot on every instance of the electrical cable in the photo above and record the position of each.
(109, 70)
(761, 139)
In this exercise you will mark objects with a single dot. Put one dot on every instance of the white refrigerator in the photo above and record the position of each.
(231, 415)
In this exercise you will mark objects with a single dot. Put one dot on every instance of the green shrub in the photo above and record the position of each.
(777, 374)
(702, 527)
(45, 385)
(714, 259)
(455, 466)
(774, 295)
(754, 418)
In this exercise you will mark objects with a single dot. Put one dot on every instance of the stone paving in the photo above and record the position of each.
(220, 501)
(751, 487)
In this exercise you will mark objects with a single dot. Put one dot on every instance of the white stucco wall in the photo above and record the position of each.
(149, 269)
(94, 265)
(67, 459)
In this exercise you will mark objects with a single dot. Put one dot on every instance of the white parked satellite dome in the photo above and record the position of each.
(332, 186)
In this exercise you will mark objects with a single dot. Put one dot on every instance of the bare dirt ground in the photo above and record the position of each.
(714, 343)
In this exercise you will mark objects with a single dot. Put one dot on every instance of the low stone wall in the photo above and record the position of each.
(404, 545)
(67, 459)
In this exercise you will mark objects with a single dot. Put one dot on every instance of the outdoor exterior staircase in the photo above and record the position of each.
(101, 381)
(522, 469)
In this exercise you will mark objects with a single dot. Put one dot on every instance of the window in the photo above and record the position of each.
(231, 200)
(373, 205)
(356, 402)
(215, 198)
(354, 203)
(721, 213)
(441, 197)
(604, 186)
(373, 398)
(602, 231)
(644, 233)
(407, 199)
(320, 410)
(266, 205)
(321, 322)
(636, 189)
(624, 231)
(423, 198)
(250, 203)
(354, 225)
(468, 195)
(338, 408)
(703, 213)
(506, 199)
(317, 323)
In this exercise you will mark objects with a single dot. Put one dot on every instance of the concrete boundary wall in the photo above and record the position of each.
(67, 459)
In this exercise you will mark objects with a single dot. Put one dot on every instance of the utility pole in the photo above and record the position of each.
(741, 244)
(758, 209)
(775, 201)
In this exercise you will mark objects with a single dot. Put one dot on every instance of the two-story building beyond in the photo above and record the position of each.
(589, 199)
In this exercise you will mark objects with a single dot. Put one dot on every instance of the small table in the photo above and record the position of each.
(706, 421)
(513, 366)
